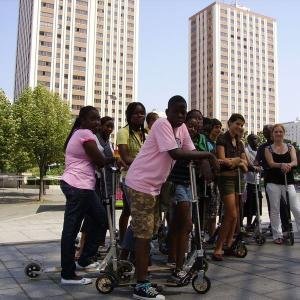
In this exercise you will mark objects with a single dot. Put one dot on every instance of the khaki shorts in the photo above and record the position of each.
(230, 185)
(144, 213)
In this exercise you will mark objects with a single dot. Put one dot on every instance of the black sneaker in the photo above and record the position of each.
(179, 277)
(146, 291)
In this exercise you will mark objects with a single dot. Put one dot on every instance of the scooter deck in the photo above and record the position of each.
(58, 270)
(159, 268)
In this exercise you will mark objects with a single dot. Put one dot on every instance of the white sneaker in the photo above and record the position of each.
(171, 265)
(76, 281)
(93, 265)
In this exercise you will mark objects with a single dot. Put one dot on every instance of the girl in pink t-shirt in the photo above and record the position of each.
(82, 156)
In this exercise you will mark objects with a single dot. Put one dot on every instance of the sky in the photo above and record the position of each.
(163, 49)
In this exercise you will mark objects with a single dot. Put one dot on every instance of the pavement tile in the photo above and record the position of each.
(4, 273)
(222, 292)
(60, 297)
(242, 266)
(14, 236)
(8, 283)
(291, 294)
(11, 264)
(90, 292)
(39, 235)
(261, 285)
(42, 288)
(19, 275)
(12, 256)
(12, 294)
(1, 265)
(282, 276)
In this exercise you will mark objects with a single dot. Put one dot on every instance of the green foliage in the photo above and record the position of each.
(56, 171)
(7, 132)
(43, 122)
(261, 137)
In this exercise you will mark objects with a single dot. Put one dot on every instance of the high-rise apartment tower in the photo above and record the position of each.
(233, 64)
(86, 50)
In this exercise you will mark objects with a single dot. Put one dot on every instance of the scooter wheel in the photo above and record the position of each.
(241, 250)
(291, 239)
(201, 285)
(105, 283)
(32, 270)
(123, 268)
(260, 240)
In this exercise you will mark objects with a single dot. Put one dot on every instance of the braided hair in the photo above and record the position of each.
(129, 113)
(83, 113)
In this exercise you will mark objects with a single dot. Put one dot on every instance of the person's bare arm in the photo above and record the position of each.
(270, 161)
(228, 162)
(124, 154)
(294, 161)
(194, 155)
(95, 155)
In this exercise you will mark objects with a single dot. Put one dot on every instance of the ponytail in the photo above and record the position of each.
(75, 126)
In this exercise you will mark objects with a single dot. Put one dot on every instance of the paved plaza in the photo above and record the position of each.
(31, 230)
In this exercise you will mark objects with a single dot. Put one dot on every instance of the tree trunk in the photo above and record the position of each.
(41, 168)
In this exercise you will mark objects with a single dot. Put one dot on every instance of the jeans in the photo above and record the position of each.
(128, 240)
(275, 192)
(283, 214)
(80, 202)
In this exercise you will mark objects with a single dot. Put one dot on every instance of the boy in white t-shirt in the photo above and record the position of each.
(168, 140)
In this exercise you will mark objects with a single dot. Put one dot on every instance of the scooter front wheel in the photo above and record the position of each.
(201, 285)
(240, 250)
(260, 240)
(105, 283)
(32, 270)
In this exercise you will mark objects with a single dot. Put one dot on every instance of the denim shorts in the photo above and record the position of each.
(182, 194)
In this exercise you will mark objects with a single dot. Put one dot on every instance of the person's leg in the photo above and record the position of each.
(229, 223)
(127, 244)
(74, 213)
(248, 205)
(184, 227)
(267, 198)
(172, 235)
(212, 226)
(212, 207)
(81, 245)
(235, 226)
(274, 192)
(294, 204)
(125, 214)
(144, 212)
(98, 224)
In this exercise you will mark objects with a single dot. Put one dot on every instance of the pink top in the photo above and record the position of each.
(153, 164)
(79, 171)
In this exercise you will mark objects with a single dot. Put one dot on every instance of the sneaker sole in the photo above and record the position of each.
(84, 281)
(146, 298)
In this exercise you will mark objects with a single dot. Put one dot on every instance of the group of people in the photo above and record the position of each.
(152, 158)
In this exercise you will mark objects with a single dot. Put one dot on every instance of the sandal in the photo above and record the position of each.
(217, 257)
(278, 241)
(228, 252)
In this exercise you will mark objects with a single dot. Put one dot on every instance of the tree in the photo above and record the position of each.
(261, 137)
(7, 130)
(43, 123)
